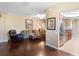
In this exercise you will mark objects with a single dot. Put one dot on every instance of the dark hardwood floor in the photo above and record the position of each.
(29, 48)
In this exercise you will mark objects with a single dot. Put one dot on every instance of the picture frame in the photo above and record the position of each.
(51, 23)
(28, 23)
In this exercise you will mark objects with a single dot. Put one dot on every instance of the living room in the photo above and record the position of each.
(17, 27)
(23, 23)
(35, 25)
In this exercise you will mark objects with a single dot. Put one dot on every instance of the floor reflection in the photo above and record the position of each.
(29, 48)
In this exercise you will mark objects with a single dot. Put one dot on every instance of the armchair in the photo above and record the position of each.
(14, 36)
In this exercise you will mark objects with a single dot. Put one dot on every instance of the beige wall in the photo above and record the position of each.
(2, 27)
(36, 24)
(15, 22)
(51, 35)
(39, 23)
(68, 24)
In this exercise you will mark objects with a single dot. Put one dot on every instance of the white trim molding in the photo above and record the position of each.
(3, 41)
(51, 46)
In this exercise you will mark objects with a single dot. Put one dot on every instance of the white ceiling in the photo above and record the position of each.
(73, 14)
(25, 8)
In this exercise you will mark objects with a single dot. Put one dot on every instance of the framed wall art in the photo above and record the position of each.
(51, 23)
(28, 23)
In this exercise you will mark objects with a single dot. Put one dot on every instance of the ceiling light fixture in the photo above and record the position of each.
(41, 16)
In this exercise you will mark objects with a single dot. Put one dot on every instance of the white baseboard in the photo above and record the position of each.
(51, 46)
(3, 41)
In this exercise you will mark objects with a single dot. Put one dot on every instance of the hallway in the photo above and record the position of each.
(72, 46)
